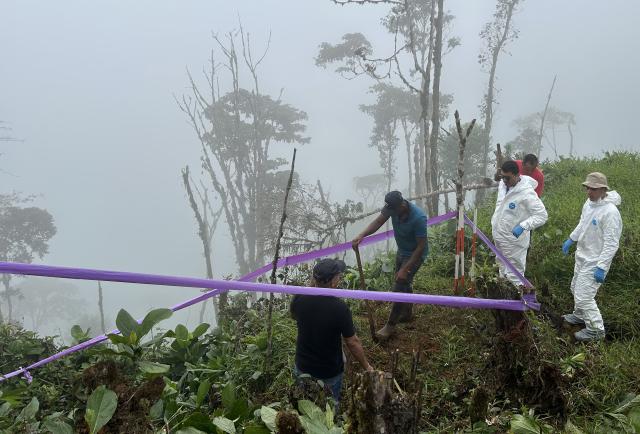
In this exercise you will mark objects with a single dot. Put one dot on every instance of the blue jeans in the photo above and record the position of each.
(333, 384)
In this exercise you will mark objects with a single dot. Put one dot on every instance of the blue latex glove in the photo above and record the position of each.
(566, 246)
(599, 275)
(517, 231)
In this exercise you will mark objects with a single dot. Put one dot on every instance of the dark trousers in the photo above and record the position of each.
(403, 310)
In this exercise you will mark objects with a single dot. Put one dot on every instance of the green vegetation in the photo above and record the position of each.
(474, 378)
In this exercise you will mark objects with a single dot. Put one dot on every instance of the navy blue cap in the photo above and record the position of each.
(326, 269)
(392, 203)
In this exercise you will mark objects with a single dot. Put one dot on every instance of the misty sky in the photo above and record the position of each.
(89, 87)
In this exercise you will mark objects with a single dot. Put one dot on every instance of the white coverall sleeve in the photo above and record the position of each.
(538, 213)
(575, 234)
(611, 240)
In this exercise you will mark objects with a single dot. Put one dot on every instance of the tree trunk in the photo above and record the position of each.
(489, 97)
(7, 293)
(432, 162)
(425, 152)
(571, 139)
(417, 168)
(374, 407)
(407, 142)
(544, 115)
(101, 308)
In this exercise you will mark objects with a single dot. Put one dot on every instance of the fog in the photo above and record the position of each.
(88, 89)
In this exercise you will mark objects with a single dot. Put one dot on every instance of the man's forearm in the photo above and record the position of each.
(371, 228)
(355, 347)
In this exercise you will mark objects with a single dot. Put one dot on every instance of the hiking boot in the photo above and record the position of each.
(585, 335)
(385, 332)
(573, 319)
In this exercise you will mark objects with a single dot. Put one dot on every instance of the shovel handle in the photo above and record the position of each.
(363, 286)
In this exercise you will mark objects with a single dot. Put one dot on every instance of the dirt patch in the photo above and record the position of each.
(519, 367)
(134, 401)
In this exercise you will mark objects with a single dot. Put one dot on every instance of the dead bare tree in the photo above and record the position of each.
(274, 264)
(462, 136)
(207, 220)
(544, 115)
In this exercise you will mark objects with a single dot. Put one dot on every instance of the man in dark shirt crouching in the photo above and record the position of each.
(323, 322)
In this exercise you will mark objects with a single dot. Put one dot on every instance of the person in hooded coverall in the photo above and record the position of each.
(598, 236)
(518, 211)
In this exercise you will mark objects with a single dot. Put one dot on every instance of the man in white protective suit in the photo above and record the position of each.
(518, 211)
(598, 236)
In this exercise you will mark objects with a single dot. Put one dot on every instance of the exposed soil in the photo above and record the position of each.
(134, 402)
(499, 358)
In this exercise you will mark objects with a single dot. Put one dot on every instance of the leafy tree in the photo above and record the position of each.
(419, 34)
(24, 235)
(496, 35)
(371, 188)
(46, 301)
(528, 138)
(236, 129)
(394, 107)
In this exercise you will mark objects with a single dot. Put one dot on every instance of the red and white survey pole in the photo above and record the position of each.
(458, 282)
(474, 241)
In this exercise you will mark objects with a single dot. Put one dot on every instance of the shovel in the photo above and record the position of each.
(363, 286)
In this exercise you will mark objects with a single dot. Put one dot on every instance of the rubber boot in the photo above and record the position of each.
(407, 314)
(385, 332)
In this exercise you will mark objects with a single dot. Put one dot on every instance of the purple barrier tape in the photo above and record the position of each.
(221, 286)
(498, 254)
(194, 282)
(338, 248)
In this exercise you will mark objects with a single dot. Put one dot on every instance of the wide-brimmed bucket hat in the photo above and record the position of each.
(596, 180)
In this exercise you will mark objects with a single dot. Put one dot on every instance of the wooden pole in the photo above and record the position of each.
(363, 286)
(267, 359)
(458, 284)
(461, 286)
(474, 241)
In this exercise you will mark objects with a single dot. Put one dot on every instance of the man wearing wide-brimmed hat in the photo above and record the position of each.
(598, 236)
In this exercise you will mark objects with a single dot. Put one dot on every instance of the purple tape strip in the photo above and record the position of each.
(498, 254)
(338, 248)
(243, 284)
